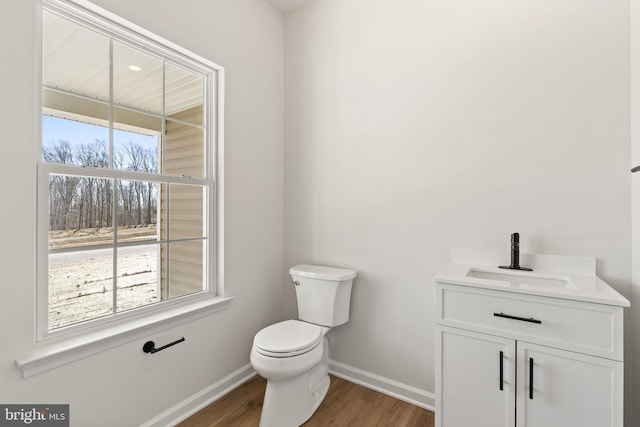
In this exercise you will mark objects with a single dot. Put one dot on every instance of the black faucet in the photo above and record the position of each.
(515, 255)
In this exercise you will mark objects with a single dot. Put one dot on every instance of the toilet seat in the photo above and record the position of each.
(287, 339)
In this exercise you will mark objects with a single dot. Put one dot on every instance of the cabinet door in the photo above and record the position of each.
(558, 388)
(471, 387)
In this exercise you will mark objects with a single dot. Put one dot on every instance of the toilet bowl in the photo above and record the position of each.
(287, 349)
(293, 355)
(297, 378)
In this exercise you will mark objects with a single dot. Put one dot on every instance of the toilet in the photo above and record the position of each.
(293, 355)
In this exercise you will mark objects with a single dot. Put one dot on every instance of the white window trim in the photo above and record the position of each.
(74, 343)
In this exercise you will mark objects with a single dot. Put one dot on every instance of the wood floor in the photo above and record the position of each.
(346, 404)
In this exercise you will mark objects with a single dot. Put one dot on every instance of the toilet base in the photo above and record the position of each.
(291, 402)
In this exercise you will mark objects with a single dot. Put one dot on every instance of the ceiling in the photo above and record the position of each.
(288, 5)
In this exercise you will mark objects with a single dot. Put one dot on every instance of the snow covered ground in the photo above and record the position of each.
(81, 283)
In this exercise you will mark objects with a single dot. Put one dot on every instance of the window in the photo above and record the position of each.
(126, 174)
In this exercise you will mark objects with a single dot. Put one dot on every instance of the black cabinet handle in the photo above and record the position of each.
(501, 371)
(150, 346)
(523, 319)
(531, 378)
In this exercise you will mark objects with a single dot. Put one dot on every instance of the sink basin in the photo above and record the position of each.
(521, 279)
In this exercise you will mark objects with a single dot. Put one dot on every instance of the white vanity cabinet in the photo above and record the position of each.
(563, 388)
(510, 356)
(468, 386)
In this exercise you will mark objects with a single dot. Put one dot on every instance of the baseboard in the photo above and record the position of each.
(400, 391)
(203, 398)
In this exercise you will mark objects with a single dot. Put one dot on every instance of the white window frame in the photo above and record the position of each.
(64, 345)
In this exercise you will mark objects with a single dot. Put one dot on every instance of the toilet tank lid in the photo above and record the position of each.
(322, 273)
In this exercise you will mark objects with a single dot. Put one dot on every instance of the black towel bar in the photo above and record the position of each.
(150, 346)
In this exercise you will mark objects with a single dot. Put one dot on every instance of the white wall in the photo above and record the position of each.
(415, 126)
(635, 187)
(124, 387)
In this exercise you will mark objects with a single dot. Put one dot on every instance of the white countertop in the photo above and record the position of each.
(573, 285)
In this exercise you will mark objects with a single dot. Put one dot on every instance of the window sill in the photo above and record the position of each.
(50, 355)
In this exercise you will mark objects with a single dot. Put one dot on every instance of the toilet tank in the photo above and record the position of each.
(323, 293)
